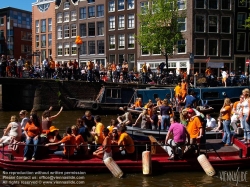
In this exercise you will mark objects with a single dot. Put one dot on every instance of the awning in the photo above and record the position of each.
(215, 64)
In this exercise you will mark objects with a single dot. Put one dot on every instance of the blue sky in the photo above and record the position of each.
(21, 4)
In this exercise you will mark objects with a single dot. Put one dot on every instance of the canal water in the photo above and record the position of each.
(236, 177)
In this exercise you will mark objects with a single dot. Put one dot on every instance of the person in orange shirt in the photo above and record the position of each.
(69, 144)
(52, 66)
(208, 74)
(178, 96)
(114, 72)
(184, 88)
(125, 141)
(32, 131)
(81, 145)
(97, 133)
(226, 118)
(194, 127)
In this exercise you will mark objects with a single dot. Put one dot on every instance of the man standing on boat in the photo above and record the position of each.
(179, 133)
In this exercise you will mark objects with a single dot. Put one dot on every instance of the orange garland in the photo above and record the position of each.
(78, 40)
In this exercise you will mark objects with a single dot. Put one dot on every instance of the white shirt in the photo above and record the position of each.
(211, 122)
(224, 74)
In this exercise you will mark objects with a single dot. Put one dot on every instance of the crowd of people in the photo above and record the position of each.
(88, 136)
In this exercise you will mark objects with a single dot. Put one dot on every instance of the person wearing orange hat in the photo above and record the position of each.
(53, 137)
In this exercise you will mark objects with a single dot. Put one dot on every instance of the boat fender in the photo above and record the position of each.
(95, 106)
(113, 167)
(205, 164)
(146, 163)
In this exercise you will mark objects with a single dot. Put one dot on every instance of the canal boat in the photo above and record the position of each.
(221, 158)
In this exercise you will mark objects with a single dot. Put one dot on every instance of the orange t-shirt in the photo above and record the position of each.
(184, 87)
(32, 130)
(79, 139)
(193, 127)
(177, 90)
(69, 147)
(235, 106)
(52, 64)
(227, 114)
(113, 67)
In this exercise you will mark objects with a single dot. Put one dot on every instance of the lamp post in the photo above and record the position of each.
(78, 42)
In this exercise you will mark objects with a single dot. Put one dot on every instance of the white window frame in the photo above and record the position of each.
(131, 21)
(83, 13)
(130, 4)
(66, 17)
(50, 24)
(121, 3)
(73, 15)
(59, 49)
(180, 21)
(100, 10)
(66, 5)
(66, 31)
(111, 22)
(73, 30)
(217, 48)
(181, 4)
(112, 42)
(111, 6)
(91, 9)
(121, 22)
(66, 49)
(73, 49)
(59, 32)
(225, 46)
(131, 41)
(37, 26)
(185, 43)
(121, 41)
(100, 28)
(59, 17)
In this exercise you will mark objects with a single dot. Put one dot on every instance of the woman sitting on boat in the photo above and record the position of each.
(23, 114)
(47, 118)
(105, 150)
(145, 120)
(125, 142)
(113, 124)
(32, 131)
(53, 137)
(69, 144)
(12, 132)
(97, 131)
(81, 145)
(114, 142)
(126, 118)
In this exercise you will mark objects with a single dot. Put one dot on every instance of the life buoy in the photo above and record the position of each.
(95, 106)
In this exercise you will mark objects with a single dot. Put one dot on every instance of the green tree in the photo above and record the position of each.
(159, 29)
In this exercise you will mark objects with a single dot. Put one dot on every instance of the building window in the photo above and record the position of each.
(144, 7)
(199, 23)
(83, 30)
(91, 1)
(212, 47)
(59, 50)
(73, 48)
(120, 4)
(50, 25)
(182, 24)
(121, 58)
(111, 42)
(121, 22)
(100, 46)
(131, 58)
(131, 21)
(37, 41)
(91, 29)
(1, 21)
(66, 16)
(73, 30)
(83, 13)
(111, 22)
(111, 58)
(59, 18)
(212, 24)
(225, 47)
(144, 51)
(66, 49)
(84, 48)
(212, 4)
(43, 25)
(181, 4)
(241, 20)
(181, 46)
(121, 41)
(199, 4)
(111, 6)
(66, 5)
(100, 10)
(226, 25)
(131, 4)
(91, 47)
(91, 11)
(131, 41)
(242, 3)
(50, 40)
(100, 28)
(199, 47)
(37, 26)
(241, 38)
(66, 31)
(43, 40)
(226, 4)
(73, 15)
(59, 32)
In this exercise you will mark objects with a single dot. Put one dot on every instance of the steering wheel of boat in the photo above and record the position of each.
(95, 106)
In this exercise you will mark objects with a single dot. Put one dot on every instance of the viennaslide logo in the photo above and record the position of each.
(233, 176)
